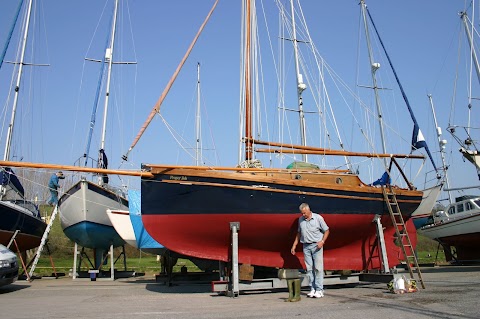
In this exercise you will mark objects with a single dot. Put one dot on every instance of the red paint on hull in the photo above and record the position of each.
(266, 239)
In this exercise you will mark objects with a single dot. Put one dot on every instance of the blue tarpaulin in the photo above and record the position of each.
(384, 180)
(144, 240)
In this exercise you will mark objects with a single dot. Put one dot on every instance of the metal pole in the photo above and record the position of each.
(441, 144)
(6, 155)
(474, 58)
(75, 253)
(109, 59)
(235, 227)
(198, 150)
(112, 270)
(381, 243)
(300, 85)
(374, 67)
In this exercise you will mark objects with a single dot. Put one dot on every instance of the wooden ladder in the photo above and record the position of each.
(402, 233)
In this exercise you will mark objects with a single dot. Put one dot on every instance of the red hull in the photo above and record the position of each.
(266, 239)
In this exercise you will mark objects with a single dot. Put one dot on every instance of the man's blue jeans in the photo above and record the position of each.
(314, 262)
(53, 197)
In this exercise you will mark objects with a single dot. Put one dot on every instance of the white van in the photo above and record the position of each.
(8, 266)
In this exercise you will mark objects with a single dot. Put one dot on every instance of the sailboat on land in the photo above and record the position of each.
(457, 226)
(203, 201)
(83, 207)
(20, 218)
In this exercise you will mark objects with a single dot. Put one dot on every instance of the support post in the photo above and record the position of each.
(21, 259)
(112, 269)
(75, 253)
(234, 284)
(221, 270)
(13, 238)
(381, 242)
(124, 258)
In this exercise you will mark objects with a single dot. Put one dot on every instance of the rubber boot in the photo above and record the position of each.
(293, 290)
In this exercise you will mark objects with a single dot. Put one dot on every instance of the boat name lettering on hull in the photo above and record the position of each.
(178, 178)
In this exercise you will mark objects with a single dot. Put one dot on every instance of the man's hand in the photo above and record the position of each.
(320, 244)
(292, 250)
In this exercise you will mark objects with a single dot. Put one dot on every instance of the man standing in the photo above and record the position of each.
(53, 187)
(312, 233)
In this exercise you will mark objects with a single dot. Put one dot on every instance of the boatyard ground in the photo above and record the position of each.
(451, 292)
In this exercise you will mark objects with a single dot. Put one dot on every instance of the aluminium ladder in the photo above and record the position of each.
(43, 242)
(401, 232)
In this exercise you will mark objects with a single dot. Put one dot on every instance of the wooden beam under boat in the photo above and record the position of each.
(75, 168)
(293, 148)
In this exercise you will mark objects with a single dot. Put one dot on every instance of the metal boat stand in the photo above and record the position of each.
(232, 286)
(94, 271)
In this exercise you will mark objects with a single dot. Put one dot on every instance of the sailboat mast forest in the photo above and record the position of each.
(21, 218)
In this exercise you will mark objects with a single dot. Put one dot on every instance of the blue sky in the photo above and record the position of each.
(421, 37)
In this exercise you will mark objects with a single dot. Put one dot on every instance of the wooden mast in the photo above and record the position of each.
(248, 102)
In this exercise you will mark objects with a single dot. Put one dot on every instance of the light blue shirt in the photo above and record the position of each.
(311, 231)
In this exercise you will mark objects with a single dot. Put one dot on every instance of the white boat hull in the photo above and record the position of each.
(83, 215)
(457, 226)
(120, 220)
(464, 227)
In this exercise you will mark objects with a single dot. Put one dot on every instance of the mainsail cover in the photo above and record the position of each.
(8, 177)
(103, 163)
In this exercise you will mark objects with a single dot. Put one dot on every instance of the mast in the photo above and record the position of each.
(8, 140)
(441, 144)
(9, 37)
(198, 152)
(300, 85)
(8, 143)
(102, 157)
(158, 104)
(473, 56)
(374, 67)
(248, 101)
(418, 140)
(109, 59)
